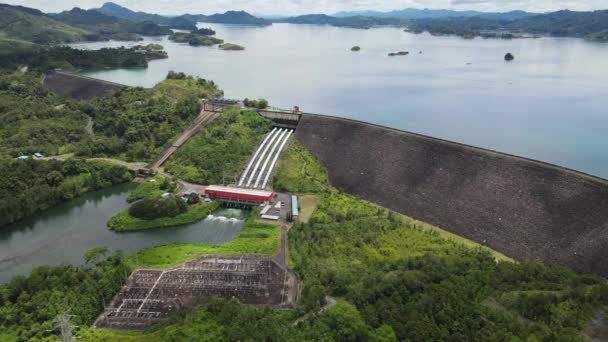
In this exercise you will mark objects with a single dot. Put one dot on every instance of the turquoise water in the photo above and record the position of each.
(64, 233)
(550, 104)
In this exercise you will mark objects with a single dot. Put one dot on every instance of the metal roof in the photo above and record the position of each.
(239, 190)
(294, 205)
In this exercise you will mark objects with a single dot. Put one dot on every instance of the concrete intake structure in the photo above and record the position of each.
(526, 209)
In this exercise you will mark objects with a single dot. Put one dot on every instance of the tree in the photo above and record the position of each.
(93, 255)
(194, 198)
(54, 178)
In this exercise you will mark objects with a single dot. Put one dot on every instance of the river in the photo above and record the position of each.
(550, 104)
(64, 233)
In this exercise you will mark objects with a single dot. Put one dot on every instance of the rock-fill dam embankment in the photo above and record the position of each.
(525, 209)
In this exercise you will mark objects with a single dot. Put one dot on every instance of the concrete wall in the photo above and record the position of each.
(79, 87)
(525, 209)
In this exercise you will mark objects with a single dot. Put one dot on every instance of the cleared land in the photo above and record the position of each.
(525, 209)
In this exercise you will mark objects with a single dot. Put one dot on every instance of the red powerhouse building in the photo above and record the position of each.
(238, 195)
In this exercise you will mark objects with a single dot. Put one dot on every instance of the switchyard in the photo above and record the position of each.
(151, 295)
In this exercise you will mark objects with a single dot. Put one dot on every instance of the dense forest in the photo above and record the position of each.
(28, 305)
(137, 123)
(424, 288)
(42, 58)
(35, 120)
(221, 149)
(134, 124)
(27, 186)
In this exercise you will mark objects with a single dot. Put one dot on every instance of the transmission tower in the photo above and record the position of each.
(64, 325)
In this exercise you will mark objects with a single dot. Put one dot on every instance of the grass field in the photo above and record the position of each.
(299, 171)
(308, 204)
(453, 237)
(254, 239)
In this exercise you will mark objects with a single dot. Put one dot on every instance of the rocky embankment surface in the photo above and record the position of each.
(525, 209)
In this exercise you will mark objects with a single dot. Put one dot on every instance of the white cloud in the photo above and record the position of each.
(292, 7)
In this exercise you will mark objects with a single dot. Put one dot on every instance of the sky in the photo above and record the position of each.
(295, 7)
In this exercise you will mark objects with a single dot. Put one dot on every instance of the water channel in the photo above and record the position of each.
(64, 233)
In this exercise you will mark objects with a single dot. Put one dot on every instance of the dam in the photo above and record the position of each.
(529, 210)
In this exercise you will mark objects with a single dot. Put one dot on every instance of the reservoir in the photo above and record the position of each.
(550, 103)
(64, 233)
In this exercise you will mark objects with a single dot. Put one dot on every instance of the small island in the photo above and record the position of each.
(205, 31)
(355, 48)
(231, 47)
(400, 53)
(195, 39)
(509, 57)
(152, 51)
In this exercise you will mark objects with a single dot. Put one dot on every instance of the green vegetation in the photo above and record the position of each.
(427, 288)
(43, 59)
(31, 25)
(222, 148)
(231, 47)
(299, 171)
(227, 320)
(137, 123)
(258, 104)
(134, 124)
(105, 26)
(124, 221)
(152, 188)
(36, 120)
(28, 186)
(206, 31)
(151, 209)
(28, 305)
(194, 39)
(254, 239)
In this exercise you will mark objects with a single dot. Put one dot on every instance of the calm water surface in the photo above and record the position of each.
(62, 234)
(551, 103)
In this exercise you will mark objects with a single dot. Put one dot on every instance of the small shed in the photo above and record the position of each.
(38, 155)
(295, 211)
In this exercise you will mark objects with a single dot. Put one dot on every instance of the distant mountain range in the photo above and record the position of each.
(111, 21)
(590, 25)
(413, 13)
(186, 20)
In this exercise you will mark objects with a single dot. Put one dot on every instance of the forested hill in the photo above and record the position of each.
(31, 25)
(27, 24)
(105, 25)
(230, 17)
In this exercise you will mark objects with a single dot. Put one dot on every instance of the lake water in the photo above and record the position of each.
(550, 104)
(64, 233)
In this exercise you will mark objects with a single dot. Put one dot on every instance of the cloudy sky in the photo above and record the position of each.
(291, 7)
